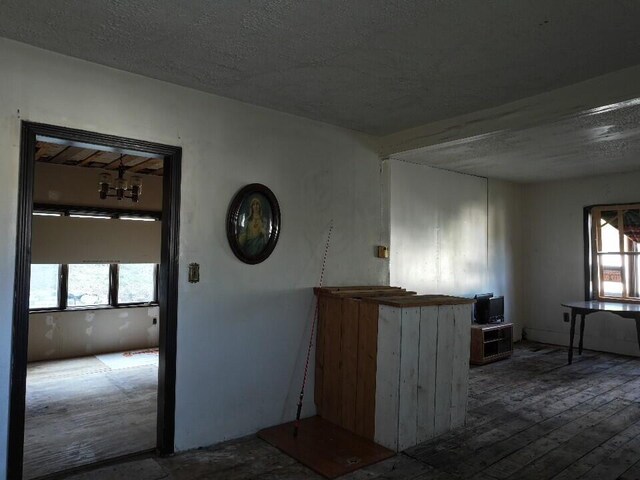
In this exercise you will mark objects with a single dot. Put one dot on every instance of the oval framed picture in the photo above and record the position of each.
(253, 223)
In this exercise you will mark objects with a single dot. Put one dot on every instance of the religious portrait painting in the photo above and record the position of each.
(253, 223)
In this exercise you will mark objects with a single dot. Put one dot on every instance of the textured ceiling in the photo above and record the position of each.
(370, 65)
(599, 141)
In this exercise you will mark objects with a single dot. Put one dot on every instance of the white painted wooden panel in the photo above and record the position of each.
(427, 373)
(444, 369)
(422, 373)
(460, 374)
(443, 248)
(408, 401)
(388, 376)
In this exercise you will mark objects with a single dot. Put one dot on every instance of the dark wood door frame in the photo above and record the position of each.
(168, 280)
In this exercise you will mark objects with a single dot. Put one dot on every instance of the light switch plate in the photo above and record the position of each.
(194, 273)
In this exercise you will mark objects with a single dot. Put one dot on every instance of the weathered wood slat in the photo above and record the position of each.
(332, 378)
(460, 375)
(367, 365)
(408, 301)
(349, 359)
(319, 370)
(408, 394)
(388, 377)
(427, 373)
(444, 369)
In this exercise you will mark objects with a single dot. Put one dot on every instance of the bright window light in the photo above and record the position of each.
(136, 282)
(139, 219)
(101, 217)
(47, 214)
(88, 284)
(43, 290)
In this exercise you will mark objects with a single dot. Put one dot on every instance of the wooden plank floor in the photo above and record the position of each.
(81, 411)
(531, 417)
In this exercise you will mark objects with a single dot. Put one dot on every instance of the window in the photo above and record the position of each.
(88, 284)
(136, 283)
(45, 284)
(97, 285)
(615, 252)
(92, 285)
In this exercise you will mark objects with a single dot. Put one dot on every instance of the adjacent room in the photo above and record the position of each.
(383, 240)
(92, 376)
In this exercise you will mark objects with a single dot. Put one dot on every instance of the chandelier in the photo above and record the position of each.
(120, 188)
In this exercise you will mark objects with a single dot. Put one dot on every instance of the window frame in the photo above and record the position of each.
(49, 309)
(63, 282)
(115, 279)
(592, 268)
(63, 277)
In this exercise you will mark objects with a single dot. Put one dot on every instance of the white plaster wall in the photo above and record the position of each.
(89, 332)
(243, 329)
(505, 266)
(455, 234)
(553, 234)
(438, 230)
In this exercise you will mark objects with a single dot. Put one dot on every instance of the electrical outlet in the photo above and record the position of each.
(155, 321)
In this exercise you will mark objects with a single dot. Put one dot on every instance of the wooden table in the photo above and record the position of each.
(625, 310)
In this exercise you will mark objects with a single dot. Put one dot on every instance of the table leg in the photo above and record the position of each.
(572, 331)
(638, 329)
(581, 333)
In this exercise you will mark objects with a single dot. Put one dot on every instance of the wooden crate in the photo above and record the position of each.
(392, 366)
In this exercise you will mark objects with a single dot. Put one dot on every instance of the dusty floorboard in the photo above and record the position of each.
(530, 417)
(80, 411)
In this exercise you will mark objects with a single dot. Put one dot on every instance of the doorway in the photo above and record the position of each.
(167, 277)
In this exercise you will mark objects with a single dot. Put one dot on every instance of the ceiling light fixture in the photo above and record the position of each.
(120, 188)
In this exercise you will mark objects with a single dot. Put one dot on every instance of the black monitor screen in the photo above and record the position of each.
(496, 307)
(481, 309)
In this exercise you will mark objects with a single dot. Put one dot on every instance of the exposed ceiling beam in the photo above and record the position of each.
(88, 159)
(144, 165)
(605, 90)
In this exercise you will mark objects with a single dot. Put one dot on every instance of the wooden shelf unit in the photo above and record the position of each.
(491, 342)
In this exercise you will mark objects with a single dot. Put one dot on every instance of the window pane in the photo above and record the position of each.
(610, 235)
(612, 270)
(635, 282)
(43, 292)
(611, 260)
(136, 282)
(88, 284)
(631, 230)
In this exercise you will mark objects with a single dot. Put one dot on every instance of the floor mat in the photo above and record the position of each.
(324, 447)
(136, 358)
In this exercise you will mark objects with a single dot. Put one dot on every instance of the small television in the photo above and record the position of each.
(496, 310)
(488, 309)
